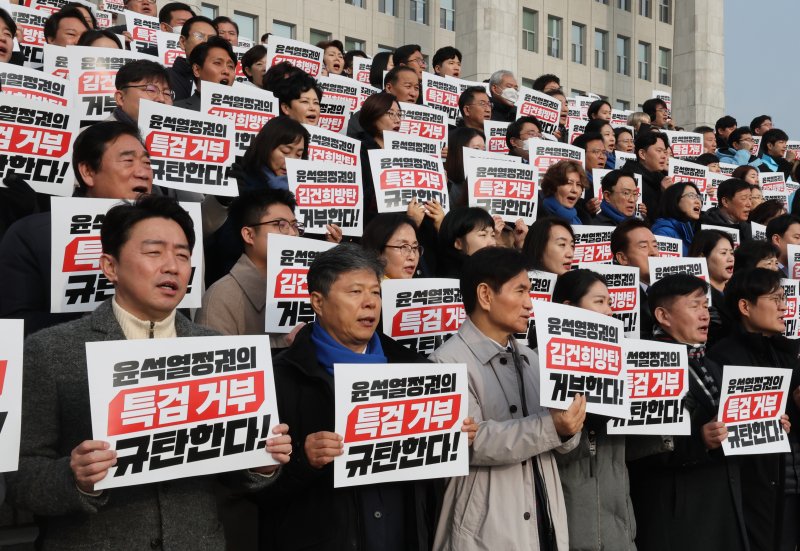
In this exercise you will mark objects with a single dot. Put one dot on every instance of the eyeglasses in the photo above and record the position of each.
(284, 226)
(408, 250)
(395, 114)
(419, 60)
(202, 37)
(152, 90)
(596, 151)
(481, 103)
(628, 194)
(691, 196)
(142, 1)
(778, 298)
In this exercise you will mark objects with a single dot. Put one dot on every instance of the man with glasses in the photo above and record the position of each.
(620, 195)
(657, 110)
(519, 132)
(410, 55)
(595, 147)
(475, 107)
(756, 299)
(137, 80)
(740, 143)
(195, 31)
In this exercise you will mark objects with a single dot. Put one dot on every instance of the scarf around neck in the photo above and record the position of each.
(696, 354)
(609, 210)
(330, 352)
(552, 206)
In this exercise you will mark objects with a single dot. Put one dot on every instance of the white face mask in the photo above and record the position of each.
(510, 95)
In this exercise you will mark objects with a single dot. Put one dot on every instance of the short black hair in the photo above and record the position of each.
(91, 144)
(91, 35)
(596, 125)
(200, 52)
(595, 107)
(650, 106)
(736, 135)
(664, 291)
(704, 242)
(515, 128)
(758, 121)
(620, 130)
(187, 27)
(456, 224)
(276, 132)
(343, 258)
(120, 220)
(93, 24)
(468, 95)
(619, 237)
(750, 253)
(610, 180)
(381, 229)
(770, 137)
(226, 19)
(583, 140)
(670, 199)
(726, 121)
(52, 22)
(572, 286)
(494, 266)
(445, 53)
(730, 187)
(749, 285)
(165, 13)
(780, 225)
(276, 74)
(9, 21)
(401, 54)
(251, 56)
(379, 63)
(291, 88)
(538, 237)
(393, 75)
(248, 208)
(702, 129)
(648, 139)
(706, 159)
(544, 80)
(138, 70)
(766, 212)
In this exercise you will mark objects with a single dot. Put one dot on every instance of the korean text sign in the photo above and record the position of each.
(10, 393)
(399, 177)
(501, 188)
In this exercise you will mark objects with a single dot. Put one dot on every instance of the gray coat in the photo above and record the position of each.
(176, 515)
(494, 507)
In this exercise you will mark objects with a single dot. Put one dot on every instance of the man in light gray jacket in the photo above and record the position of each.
(512, 498)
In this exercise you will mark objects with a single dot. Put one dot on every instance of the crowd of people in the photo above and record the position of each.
(539, 478)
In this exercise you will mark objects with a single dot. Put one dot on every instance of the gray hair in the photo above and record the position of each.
(343, 258)
(497, 76)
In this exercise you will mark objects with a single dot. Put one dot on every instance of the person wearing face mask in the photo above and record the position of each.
(504, 88)
(717, 248)
(464, 231)
(679, 213)
(519, 132)
(561, 187)
(173, 16)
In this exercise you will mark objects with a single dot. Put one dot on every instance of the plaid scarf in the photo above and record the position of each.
(697, 368)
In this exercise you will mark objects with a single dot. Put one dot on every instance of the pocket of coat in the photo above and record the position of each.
(475, 505)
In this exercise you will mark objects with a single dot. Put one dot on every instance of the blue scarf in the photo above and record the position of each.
(611, 212)
(552, 206)
(611, 160)
(275, 182)
(330, 352)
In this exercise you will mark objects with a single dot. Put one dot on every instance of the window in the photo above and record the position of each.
(356, 3)
(285, 30)
(624, 5)
(601, 49)
(643, 61)
(209, 10)
(388, 7)
(665, 11)
(554, 36)
(602, 2)
(530, 27)
(248, 25)
(576, 92)
(384, 48)
(316, 36)
(418, 11)
(354, 44)
(578, 43)
(527, 82)
(447, 14)
(664, 66)
(622, 105)
(623, 55)
(646, 8)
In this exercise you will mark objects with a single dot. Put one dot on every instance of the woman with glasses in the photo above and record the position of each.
(393, 236)
(562, 187)
(624, 139)
(717, 248)
(464, 231)
(679, 213)
(769, 482)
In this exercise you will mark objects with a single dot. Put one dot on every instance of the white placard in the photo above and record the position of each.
(361, 68)
(623, 287)
(669, 246)
(143, 29)
(169, 48)
(397, 141)
(495, 132)
(501, 188)
(249, 108)
(10, 393)
(300, 54)
(543, 154)
(663, 266)
(400, 177)
(441, 94)
(35, 85)
(592, 244)
(538, 104)
(332, 147)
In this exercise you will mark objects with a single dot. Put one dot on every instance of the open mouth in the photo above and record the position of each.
(224, 81)
(169, 287)
(141, 189)
(337, 67)
(366, 321)
(311, 119)
(410, 269)
(396, 128)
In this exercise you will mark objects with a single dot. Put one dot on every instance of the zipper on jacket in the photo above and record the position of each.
(592, 451)
(151, 334)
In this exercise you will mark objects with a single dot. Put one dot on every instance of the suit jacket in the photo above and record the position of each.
(174, 515)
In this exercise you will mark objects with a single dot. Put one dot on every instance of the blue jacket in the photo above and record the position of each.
(672, 227)
(734, 157)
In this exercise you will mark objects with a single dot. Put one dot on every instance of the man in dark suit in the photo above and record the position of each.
(632, 243)
(147, 249)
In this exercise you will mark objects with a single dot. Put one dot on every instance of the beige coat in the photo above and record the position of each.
(494, 507)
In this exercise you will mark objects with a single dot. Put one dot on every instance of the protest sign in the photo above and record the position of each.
(422, 313)
(791, 291)
(340, 88)
(325, 145)
(424, 122)
(545, 108)
(622, 158)
(780, 196)
(580, 352)
(592, 244)
(505, 189)
(400, 422)
(656, 385)
(685, 145)
(751, 404)
(113, 6)
(542, 284)
(361, 68)
(576, 128)
(10, 393)
(30, 33)
(248, 107)
(327, 193)
(365, 91)
(400, 177)
(619, 118)
(712, 185)
(104, 19)
(623, 288)
(470, 153)
(756, 145)
(334, 115)
(53, 6)
(582, 103)
(245, 43)
(299, 54)
(663, 266)
(758, 231)
(96, 69)
(772, 181)
(464, 84)
(77, 284)
(288, 260)
(792, 145)
(36, 144)
(239, 75)
(181, 407)
(733, 232)
(35, 85)
(727, 169)
(793, 254)
(169, 48)
(669, 246)
(189, 151)
(543, 154)
(397, 141)
(142, 29)
(687, 171)
(495, 133)
(666, 97)
(56, 62)
(441, 94)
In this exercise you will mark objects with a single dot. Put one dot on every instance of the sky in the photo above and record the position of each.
(761, 76)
